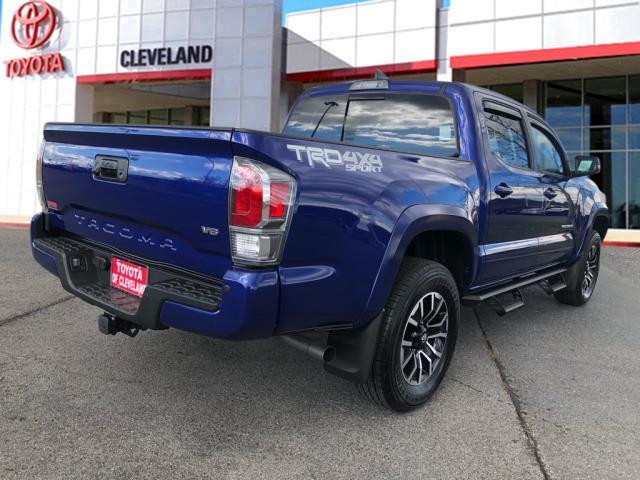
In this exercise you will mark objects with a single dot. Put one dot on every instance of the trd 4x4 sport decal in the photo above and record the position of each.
(328, 157)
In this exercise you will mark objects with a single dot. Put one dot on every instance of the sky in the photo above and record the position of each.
(299, 5)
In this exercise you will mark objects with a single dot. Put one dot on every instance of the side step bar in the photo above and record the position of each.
(508, 298)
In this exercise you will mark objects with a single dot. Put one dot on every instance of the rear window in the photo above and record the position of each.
(418, 124)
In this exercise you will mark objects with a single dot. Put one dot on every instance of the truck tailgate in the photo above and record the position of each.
(156, 193)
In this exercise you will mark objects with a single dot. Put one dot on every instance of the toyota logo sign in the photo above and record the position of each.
(33, 24)
(31, 27)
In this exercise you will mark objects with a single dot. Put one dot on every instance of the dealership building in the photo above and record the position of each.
(237, 63)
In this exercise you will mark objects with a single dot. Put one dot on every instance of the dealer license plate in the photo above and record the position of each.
(129, 277)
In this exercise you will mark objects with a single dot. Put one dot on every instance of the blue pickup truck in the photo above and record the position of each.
(355, 235)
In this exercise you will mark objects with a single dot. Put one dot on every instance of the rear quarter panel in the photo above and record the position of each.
(344, 222)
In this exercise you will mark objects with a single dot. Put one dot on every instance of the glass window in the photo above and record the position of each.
(546, 155)
(570, 138)
(634, 190)
(138, 118)
(420, 124)
(612, 181)
(202, 116)
(159, 117)
(511, 90)
(605, 138)
(506, 138)
(564, 103)
(115, 117)
(318, 117)
(634, 99)
(176, 116)
(605, 101)
(634, 138)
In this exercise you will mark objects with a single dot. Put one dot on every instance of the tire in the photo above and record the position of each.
(582, 276)
(419, 282)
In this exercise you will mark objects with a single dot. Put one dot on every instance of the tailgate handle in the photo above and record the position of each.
(112, 169)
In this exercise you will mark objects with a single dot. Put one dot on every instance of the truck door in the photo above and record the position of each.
(556, 237)
(515, 202)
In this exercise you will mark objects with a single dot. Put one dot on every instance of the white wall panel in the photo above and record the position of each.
(564, 5)
(257, 20)
(338, 53)
(152, 6)
(568, 29)
(519, 34)
(108, 31)
(107, 59)
(414, 14)
(410, 46)
(339, 22)
(464, 11)
(108, 9)
(375, 17)
(515, 8)
(152, 27)
(605, 3)
(171, 5)
(226, 84)
(303, 57)
(88, 9)
(305, 25)
(374, 50)
(87, 32)
(228, 23)
(130, 7)
(256, 52)
(370, 33)
(471, 39)
(177, 26)
(129, 30)
(615, 25)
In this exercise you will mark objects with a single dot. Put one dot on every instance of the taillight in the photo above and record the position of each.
(246, 196)
(260, 203)
(39, 185)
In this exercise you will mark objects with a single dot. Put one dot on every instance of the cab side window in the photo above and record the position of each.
(506, 138)
(547, 157)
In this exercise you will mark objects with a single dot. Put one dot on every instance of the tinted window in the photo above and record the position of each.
(506, 138)
(547, 156)
(320, 118)
(420, 124)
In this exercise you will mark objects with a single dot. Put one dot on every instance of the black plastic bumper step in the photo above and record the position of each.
(84, 270)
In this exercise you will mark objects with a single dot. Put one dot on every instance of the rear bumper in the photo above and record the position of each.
(241, 305)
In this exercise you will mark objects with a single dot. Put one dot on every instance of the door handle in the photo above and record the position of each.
(550, 193)
(503, 190)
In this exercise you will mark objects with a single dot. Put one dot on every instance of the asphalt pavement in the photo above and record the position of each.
(549, 391)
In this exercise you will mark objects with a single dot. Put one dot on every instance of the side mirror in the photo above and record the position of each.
(587, 165)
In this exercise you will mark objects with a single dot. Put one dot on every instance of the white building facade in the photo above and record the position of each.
(232, 63)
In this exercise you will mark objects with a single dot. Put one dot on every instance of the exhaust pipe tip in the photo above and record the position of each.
(318, 350)
(329, 354)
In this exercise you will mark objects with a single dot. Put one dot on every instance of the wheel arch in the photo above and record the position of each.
(414, 235)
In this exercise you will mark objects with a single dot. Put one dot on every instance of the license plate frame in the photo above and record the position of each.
(128, 277)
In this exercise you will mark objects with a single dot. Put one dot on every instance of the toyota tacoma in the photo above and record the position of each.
(355, 235)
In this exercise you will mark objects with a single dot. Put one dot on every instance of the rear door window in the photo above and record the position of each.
(413, 123)
(506, 138)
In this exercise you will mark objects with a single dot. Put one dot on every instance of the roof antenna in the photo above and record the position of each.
(379, 75)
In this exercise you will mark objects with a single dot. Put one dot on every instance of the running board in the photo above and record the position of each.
(509, 297)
